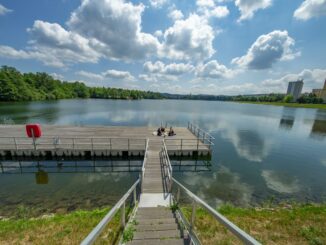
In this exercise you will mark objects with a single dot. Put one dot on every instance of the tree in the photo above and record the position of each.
(288, 99)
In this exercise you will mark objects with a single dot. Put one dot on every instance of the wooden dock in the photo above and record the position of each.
(90, 141)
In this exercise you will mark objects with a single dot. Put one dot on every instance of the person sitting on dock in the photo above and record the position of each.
(171, 132)
(159, 132)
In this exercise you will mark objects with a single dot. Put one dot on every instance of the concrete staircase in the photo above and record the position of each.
(158, 225)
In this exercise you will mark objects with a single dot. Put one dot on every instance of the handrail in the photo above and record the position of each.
(90, 239)
(193, 128)
(242, 235)
(167, 164)
(19, 143)
(144, 164)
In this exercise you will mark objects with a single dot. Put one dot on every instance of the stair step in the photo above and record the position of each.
(160, 227)
(140, 217)
(141, 235)
(157, 221)
(160, 242)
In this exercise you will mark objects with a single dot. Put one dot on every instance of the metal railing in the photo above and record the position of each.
(202, 135)
(144, 165)
(75, 143)
(93, 235)
(188, 144)
(242, 235)
(167, 166)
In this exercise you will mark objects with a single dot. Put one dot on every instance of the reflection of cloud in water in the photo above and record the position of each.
(223, 186)
(280, 182)
(323, 162)
(115, 177)
(248, 143)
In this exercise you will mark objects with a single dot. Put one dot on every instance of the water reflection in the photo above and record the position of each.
(288, 118)
(318, 129)
(223, 186)
(281, 181)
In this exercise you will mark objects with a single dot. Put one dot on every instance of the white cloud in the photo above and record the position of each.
(47, 59)
(174, 69)
(158, 33)
(249, 7)
(116, 27)
(312, 79)
(267, 50)
(157, 3)
(4, 10)
(191, 38)
(90, 75)
(309, 9)
(175, 14)
(115, 74)
(62, 45)
(214, 70)
(57, 76)
(208, 8)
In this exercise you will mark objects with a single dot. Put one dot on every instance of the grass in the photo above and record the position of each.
(297, 105)
(283, 224)
(69, 228)
(298, 224)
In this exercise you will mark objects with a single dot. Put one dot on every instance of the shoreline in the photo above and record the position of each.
(293, 105)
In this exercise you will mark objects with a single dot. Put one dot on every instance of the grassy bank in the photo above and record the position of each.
(69, 228)
(298, 224)
(296, 105)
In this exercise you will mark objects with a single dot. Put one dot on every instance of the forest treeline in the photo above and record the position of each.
(17, 86)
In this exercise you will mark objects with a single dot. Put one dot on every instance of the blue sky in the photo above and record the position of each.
(203, 46)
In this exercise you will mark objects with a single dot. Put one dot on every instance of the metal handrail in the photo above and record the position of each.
(144, 164)
(194, 127)
(167, 164)
(90, 239)
(18, 143)
(242, 235)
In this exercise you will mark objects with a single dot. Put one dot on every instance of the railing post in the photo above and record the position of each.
(16, 146)
(197, 144)
(123, 214)
(73, 144)
(198, 132)
(178, 194)
(193, 215)
(110, 144)
(181, 145)
(135, 196)
(128, 145)
(92, 146)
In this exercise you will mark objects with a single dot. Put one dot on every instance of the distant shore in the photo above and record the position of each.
(296, 105)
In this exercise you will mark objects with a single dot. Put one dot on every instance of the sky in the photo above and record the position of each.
(214, 47)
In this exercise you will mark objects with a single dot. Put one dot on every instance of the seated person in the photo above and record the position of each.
(159, 132)
(162, 129)
(171, 132)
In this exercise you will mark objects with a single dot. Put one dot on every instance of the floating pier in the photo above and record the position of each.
(76, 142)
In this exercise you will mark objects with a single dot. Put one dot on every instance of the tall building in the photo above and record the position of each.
(295, 89)
(320, 93)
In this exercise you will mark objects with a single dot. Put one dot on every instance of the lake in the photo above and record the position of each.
(261, 153)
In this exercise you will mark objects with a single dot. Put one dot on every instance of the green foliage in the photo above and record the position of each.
(16, 86)
(310, 99)
(128, 233)
(174, 207)
(287, 99)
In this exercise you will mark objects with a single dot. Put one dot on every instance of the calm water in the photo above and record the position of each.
(260, 153)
